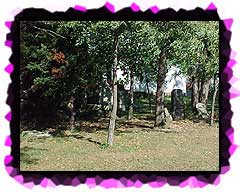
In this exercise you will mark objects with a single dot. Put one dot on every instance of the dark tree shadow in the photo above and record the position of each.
(77, 136)
(163, 130)
(137, 125)
(86, 139)
(91, 126)
(26, 157)
(121, 132)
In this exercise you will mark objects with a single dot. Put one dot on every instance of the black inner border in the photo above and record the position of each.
(173, 177)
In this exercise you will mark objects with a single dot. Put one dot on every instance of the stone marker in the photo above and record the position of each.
(168, 117)
(202, 110)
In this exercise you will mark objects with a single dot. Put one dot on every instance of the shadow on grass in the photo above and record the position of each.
(91, 126)
(26, 159)
(121, 132)
(77, 136)
(86, 139)
(137, 125)
(162, 130)
(27, 154)
(144, 116)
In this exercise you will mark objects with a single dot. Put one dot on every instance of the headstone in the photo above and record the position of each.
(177, 104)
(168, 117)
(202, 110)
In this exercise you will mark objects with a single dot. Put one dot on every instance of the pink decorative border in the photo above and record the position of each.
(159, 181)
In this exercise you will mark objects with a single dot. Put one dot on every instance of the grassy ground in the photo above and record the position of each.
(186, 146)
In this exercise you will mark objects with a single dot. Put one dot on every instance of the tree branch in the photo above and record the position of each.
(52, 33)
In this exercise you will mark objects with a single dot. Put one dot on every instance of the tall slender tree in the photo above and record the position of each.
(160, 117)
(113, 116)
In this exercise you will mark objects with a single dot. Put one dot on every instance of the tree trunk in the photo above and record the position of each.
(72, 113)
(195, 94)
(72, 120)
(213, 100)
(203, 97)
(113, 116)
(160, 118)
(130, 110)
(149, 96)
(199, 88)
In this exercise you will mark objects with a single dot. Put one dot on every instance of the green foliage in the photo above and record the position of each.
(42, 81)
(196, 49)
(65, 58)
(34, 67)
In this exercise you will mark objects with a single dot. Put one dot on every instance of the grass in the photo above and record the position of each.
(187, 146)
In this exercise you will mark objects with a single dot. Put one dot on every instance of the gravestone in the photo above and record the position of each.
(168, 116)
(202, 110)
(177, 104)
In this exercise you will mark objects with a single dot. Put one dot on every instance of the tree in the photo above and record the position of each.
(160, 117)
(215, 90)
(197, 55)
(138, 56)
(113, 116)
(130, 110)
(118, 28)
(42, 68)
(58, 67)
(168, 33)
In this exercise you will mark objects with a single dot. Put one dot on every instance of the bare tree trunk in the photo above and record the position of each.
(149, 96)
(213, 100)
(199, 88)
(72, 111)
(113, 116)
(130, 110)
(195, 94)
(72, 120)
(160, 118)
(203, 97)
